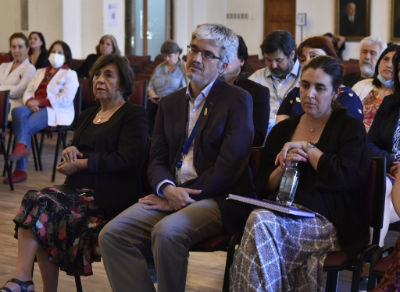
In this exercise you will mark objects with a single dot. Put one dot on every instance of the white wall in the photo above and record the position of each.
(46, 17)
(10, 22)
(320, 20)
(250, 29)
(72, 23)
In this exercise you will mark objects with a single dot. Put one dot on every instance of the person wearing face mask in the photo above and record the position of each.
(311, 48)
(373, 91)
(48, 102)
(16, 75)
(37, 50)
(168, 77)
(107, 45)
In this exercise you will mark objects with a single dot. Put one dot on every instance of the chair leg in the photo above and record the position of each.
(332, 282)
(235, 239)
(78, 284)
(8, 148)
(53, 176)
(6, 166)
(13, 147)
(64, 137)
(41, 144)
(38, 152)
(34, 154)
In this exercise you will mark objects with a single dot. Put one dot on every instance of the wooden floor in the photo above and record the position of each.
(205, 272)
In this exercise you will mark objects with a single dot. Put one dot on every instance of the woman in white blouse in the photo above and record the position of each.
(47, 101)
(16, 75)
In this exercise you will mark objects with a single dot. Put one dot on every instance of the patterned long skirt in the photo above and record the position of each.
(282, 253)
(66, 226)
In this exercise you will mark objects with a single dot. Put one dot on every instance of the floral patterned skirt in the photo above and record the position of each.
(66, 226)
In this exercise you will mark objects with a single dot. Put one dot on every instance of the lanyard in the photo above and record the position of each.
(188, 142)
(290, 88)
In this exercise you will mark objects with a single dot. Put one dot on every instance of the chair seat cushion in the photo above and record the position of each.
(49, 129)
(383, 264)
(212, 244)
(335, 260)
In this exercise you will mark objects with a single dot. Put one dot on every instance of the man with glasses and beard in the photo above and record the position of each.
(200, 146)
(283, 71)
(371, 49)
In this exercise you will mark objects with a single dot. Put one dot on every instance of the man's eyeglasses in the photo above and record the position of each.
(204, 54)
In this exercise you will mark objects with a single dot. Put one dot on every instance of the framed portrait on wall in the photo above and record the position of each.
(353, 19)
(395, 23)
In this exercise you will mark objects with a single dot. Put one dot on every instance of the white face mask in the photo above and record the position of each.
(56, 60)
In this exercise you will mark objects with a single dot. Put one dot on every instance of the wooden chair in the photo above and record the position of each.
(4, 110)
(374, 201)
(139, 95)
(143, 77)
(145, 59)
(88, 98)
(148, 70)
(379, 266)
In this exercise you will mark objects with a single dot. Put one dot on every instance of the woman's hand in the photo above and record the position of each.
(70, 168)
(156, 203)
(33, 105)
(71, 154)
(155, 99)
(395, 168)
(292, 151)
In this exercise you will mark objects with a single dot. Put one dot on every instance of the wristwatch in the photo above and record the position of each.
(309, 146)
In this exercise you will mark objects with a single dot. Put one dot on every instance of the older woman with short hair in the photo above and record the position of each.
(60, 224)
(280, 252)
(107, 45)
(168, 77)
(16, 75)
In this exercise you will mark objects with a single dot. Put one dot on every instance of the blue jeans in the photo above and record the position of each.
(25, 124)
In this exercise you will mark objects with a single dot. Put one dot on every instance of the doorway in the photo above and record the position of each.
(280, 14)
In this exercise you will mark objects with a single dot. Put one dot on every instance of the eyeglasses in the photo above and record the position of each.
(206, 55)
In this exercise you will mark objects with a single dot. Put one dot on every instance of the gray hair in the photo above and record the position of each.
(374, 40)
(222, 36)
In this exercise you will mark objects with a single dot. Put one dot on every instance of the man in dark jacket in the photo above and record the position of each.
(260, 94)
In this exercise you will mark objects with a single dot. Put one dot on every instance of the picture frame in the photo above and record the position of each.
(395, 21)
(353, 19)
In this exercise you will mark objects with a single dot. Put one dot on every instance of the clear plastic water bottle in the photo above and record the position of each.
(288, 185)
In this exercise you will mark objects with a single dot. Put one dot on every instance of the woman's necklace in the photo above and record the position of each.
(312, 129)
(100, 118)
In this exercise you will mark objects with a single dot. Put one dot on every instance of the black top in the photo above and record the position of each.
(84, 69)
(335, 189)
(261, 107)
(338, 50)
(42, 61)
(380, 135)
(291, 105)
(116, 151)
(352, 78)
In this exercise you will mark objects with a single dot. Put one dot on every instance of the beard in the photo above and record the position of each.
(367, 70)
(282, 73)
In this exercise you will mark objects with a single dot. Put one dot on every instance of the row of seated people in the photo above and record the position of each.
(42, 88)
(202, 137)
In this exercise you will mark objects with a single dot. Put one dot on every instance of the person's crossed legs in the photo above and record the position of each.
(170, 235)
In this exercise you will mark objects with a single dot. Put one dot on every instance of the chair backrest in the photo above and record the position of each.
(148, 70)
(4, 110)
(139, 95)
(145, 59)
(374, 195)
(4, 58)
(88, 98)
(254, 161)
(146, 187)
(78, 103)
(143, 77)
